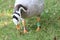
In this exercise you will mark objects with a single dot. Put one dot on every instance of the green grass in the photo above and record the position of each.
(50, 22)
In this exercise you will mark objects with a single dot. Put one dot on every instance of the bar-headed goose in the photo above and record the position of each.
(25, 9)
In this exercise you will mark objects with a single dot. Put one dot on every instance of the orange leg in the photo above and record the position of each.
(38, 24)
(24, 24)
(18, 27)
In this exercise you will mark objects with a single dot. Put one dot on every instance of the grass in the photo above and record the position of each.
(50, 22)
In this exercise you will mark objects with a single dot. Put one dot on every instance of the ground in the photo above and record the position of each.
(50, 22)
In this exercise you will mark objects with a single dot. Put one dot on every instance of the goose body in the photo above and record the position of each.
(34, 7)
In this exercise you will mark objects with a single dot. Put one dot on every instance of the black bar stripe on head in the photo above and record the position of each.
(15, 17)
(20, 5)
(16, 13)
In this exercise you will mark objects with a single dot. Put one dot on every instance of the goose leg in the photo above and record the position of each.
(18, 27)
(38, 24)
(24, 25)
